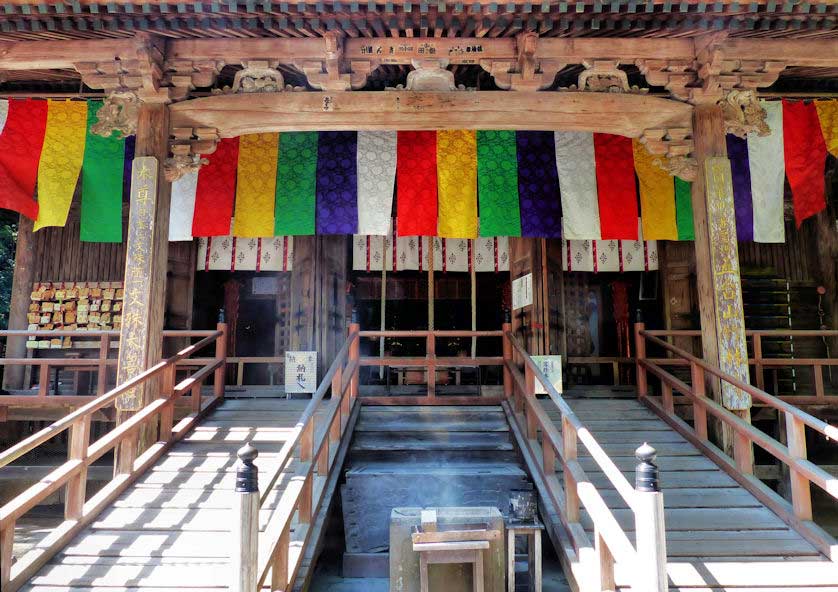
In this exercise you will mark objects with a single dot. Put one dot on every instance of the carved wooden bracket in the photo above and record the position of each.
(333, 73)
(527, 73)
(184, 76)
(674, 146)
(119, 113)
(743, 114)
(676, 76)
(187, 146)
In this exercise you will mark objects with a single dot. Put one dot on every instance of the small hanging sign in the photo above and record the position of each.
(522, 292)
(551, 367)
(300, 371)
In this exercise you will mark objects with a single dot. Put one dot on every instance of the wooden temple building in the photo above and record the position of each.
(419, 255)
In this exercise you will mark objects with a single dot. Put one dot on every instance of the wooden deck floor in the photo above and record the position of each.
(171, 529)
(719, 537)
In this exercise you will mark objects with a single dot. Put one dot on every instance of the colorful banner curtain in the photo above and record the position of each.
(61, 160)
(576, 162)
(102, 183)
(337, 183)
(376, 180)
(497, 183)
(805, 154)
(828, 118)
(743, 203)
(296, 184)
(256, 186)
(182, 207)
(20, 151)
(616, 190)
(230, 253)
(456, 157)
(216, 190)
(684, 210)
(657, 196)
(768, 168)
(538, 185)
(416, 199)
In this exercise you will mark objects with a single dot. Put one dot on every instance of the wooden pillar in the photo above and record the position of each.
(717, 264)
(19, 305)
(146, 261)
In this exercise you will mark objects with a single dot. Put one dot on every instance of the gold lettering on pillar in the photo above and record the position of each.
(727, 289)
(134, 333)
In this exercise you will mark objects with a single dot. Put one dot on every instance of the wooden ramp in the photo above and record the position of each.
(719, 536)
(171, 530)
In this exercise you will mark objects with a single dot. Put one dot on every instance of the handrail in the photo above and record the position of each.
(647, 555)
(157, 417)
(802, 471)
(277, 557)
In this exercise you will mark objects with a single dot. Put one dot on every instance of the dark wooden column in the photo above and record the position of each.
(146, 258)
(19, 305)
(717, 263)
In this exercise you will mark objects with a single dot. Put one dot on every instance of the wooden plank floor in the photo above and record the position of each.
(171, 530)
(719, 537)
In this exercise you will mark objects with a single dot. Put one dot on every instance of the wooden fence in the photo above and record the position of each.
(803, 472)
(158, 417)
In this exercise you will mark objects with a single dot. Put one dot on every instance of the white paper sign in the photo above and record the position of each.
(551, 367)
(300, 371)
(522, 292)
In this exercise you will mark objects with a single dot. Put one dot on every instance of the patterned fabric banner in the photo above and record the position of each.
(743, 203)
(538, 185)
(182, 207)
(828, 118)
(416, 199)
(765, 157)
(20, 151)
(102, 183)
(376, 180)
(805, 153)
(610, 255)
(229, 253)
(216, 190)
(337, 183)
(296, 183)
(615, 186)
(256, 186)
(684, 209)
(497, 181)
(61, 160)
(456, 157)
(576, 162)
(657, 196)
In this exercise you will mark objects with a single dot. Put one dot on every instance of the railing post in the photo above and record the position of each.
(102, 376)
(699, 392)
(7, 540)
(507, 359)
(801, 492)
(167, 413)
(431, 365)
(245, 527)
(77, 486)
(606, 562)
(640, 354)
(220, 352)
(43, 380)
(354, 355)
(758, 371)
(569, 454)
(650, 571)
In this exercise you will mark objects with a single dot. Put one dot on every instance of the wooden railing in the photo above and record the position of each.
(761, 363)
(803, 472)
(317, 440)
(647, 555)
(156, 417)
(430, 362)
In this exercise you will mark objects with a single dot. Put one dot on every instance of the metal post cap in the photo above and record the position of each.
(646, 472)
(247, 474)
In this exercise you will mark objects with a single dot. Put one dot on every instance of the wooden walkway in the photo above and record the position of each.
(171, 530)
(719, 536)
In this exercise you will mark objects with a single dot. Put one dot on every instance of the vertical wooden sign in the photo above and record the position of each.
(727, 287)
(133, 337)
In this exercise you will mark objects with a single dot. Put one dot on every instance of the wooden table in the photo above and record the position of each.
(533, 532)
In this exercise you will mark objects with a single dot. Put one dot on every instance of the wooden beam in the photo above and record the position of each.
(24, 275)
(624, 114)
(61, 55)
(794, 52)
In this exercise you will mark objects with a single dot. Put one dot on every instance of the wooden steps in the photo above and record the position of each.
(172, 528)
